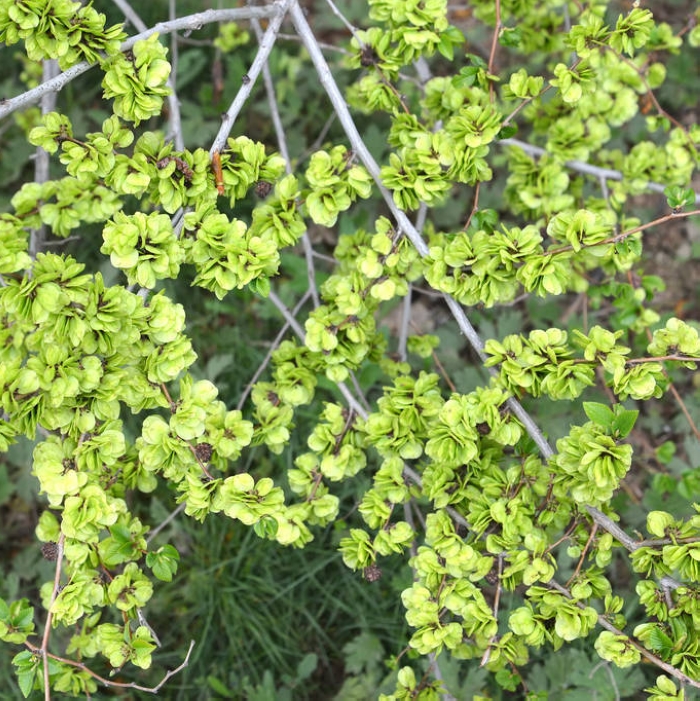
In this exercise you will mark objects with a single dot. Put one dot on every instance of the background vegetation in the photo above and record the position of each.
(280, 623)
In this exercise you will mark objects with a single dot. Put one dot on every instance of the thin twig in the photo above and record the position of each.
(684, 409)
(123, 685)
(273, 348)
(165, 522)
(348, 25)
(606, 666)
(496, 603)
(318, 141)
(288, 315)
(617, 238)
(325, 46)
(130, 14)
(260, 60)
(583, 554)
(494, 46)
(676, 395)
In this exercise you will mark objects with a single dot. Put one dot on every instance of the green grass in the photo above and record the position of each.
(253, 607)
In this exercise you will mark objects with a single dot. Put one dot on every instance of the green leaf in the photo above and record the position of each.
(164, 562)
(507, 679)
(27, 665)
(507, 132)
(679, 197)
(624, 422)
(665, 452)
(599, 413)
(660, 642)
(467, 77)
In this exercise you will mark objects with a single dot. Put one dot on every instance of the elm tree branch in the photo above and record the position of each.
(41, 162)
(343, 113)
(188, 23)
(604, 623)
(583, 167)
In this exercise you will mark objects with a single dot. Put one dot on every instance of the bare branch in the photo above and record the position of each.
(41, 162)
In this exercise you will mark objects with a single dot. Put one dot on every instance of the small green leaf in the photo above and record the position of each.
(599, 413)
(665, 452)
(624, 422)
(507, 132)
(507, 680)
(27, 665)
(679, 197)
(467, 77)
(164, 562)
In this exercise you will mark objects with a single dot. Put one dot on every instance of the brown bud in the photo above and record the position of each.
(49, 551)
(372, 573)
(263, 188)
(203, 452)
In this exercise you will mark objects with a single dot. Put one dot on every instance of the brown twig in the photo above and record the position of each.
(583, 554)
(618, 238)
(121, 685)
(496, 602)
(49, 616)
